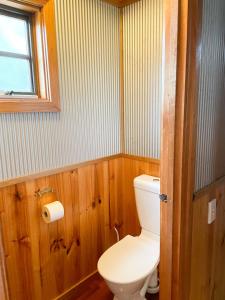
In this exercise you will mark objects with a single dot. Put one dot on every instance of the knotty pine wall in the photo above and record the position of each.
(208, 246)
(45, 260)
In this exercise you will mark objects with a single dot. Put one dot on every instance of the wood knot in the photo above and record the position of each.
(99, 200)
(57, 244)
(74, 172)
(18, 196)
(24, 240)
(62, 244)
(54, 246)
(78, 242)
(93, 204)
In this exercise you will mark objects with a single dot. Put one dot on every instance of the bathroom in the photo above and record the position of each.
(97, 174)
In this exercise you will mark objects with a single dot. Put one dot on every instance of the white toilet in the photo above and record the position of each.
(130, 266)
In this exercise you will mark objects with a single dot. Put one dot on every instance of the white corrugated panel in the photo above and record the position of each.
(88, 126)
(143, 72)
(210, 159)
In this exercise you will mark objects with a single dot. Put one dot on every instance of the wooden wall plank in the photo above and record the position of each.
(208, 247)
(3, 280)
(115, 184)
(45, 260)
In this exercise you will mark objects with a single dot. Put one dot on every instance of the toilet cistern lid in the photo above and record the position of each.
(129, 260)
(147, 183)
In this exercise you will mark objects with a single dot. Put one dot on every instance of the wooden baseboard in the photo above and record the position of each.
(68, 294)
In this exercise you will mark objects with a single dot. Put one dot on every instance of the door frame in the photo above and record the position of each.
(183, 20)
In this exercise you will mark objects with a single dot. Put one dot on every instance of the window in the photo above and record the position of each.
(16, 58)
(28, 71)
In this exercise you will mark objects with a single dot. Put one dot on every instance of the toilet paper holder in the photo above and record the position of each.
(39, 193)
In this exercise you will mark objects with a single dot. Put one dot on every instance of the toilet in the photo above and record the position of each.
(130, 267)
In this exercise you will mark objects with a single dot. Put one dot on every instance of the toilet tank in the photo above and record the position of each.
(147, 189)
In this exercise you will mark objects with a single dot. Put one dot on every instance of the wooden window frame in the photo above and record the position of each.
(45, 60)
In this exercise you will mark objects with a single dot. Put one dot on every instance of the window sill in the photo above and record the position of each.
(15, 97)
(31, 104)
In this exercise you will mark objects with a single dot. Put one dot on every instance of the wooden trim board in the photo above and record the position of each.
(182, 39)
(55, 171)
(72, 167)
(171, 10)
(206, 190)
(142, 158)
(189, 36)
(120, 3)
(68, 294)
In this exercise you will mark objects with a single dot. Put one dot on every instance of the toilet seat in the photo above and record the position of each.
(129, 260)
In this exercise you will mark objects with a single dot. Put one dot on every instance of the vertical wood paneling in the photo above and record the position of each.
(143, 69)
(45, 260)
(210, 163)
(88, 126)
(208, 247)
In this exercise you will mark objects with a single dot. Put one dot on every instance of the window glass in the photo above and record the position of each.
(16, 61)
(15, 75)
(13, 35)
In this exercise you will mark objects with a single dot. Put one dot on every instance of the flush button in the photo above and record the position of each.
(155, 179)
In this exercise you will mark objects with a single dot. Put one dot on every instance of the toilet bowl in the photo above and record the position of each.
(130, 266)
(127, 266)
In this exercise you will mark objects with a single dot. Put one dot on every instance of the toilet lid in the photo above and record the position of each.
(129, 260)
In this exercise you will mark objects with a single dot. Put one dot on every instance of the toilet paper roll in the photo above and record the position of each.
(52, 212)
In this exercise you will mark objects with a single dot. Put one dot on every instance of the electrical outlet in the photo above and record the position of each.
(212, 211)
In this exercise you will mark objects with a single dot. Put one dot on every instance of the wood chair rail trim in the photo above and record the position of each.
(208, 189)
(73, 167)
(120, 3)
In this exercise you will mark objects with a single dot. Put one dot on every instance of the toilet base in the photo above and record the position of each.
(134, 297)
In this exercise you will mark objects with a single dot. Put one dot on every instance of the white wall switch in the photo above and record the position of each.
(212, 211)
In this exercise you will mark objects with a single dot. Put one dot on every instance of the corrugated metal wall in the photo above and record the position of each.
(143, 47)
(210, 160)
(88, 126)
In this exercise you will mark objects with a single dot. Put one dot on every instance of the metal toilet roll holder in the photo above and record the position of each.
(41, 193)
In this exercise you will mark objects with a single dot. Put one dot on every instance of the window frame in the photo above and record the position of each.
(45, 62)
